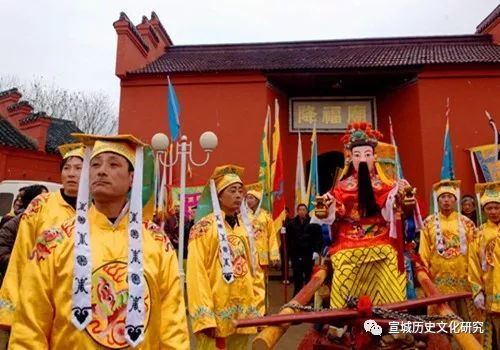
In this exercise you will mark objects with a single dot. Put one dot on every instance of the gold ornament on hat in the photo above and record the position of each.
(255, 189)
(123, 145)
(360, 134)
(489, 192)
(71, 150)
(226, 175)
(447, 186)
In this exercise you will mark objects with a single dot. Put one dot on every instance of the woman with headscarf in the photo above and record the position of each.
(468, 205)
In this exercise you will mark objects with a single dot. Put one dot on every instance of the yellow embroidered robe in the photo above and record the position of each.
(46, 210)
(266, 239)
(267, 246)
(486, 248)
(42, 320)
(212, 302)
(449, 271)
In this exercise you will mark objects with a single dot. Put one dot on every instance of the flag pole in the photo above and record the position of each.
(495, 130)
(476, 176)
(285, 263)
(270, 148)
(170, 169)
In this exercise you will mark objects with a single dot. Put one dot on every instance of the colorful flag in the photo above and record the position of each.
(192, 193)
(486, 157)
(300, 182)
(174, 112)
(279, 213)
(265, 166)
(447, 172)
(313, 183)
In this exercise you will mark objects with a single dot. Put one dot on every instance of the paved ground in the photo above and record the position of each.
(295, 333)
(276, 299)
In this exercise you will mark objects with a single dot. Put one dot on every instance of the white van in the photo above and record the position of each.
(10, 188)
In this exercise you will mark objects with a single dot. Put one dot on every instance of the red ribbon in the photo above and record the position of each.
(364, 305)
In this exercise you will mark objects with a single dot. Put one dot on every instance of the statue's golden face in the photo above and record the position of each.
(362, 154)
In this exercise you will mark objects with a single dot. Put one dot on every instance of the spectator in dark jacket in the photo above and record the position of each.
(16, 207)
(304, 246)
(285, 258)
(8, 232)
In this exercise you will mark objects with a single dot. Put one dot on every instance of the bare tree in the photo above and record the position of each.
(92, 112)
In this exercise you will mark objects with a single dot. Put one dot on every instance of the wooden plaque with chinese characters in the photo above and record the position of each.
(331, 114)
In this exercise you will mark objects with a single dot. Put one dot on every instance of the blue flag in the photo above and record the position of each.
(174, 112)
(447, 172)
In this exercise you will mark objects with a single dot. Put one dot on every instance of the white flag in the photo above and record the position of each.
(300, 182)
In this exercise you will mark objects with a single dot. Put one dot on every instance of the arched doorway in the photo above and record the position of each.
(328, 163)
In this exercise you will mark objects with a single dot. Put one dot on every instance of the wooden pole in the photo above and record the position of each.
(269, 336)
(338, 314)
(466, 340)
(285, 263)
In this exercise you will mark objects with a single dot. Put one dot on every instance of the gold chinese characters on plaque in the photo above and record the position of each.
(330, 114)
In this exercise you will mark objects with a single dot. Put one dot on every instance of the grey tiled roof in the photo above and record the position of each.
(33, 117)
(60, 133)
(328, 54)
(9, 91)
(488, 20)
(10, 136)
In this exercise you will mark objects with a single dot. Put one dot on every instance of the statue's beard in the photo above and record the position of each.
(367, 205)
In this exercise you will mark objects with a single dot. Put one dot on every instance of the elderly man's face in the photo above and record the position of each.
(231, 197)
(110, 176)
(468, 206)
(362, 154)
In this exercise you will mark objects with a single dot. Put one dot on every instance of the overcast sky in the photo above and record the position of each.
(73, 43)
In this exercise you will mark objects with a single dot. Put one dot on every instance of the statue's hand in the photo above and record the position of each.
(406, 195)
(322, 205)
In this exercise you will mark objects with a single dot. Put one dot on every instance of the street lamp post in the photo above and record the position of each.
(159, 143)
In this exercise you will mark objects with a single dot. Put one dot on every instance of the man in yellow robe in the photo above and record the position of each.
(45, 211)
(104, 279)
(444, 243)
(266, 243)
(484, 260)
(220, 264)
